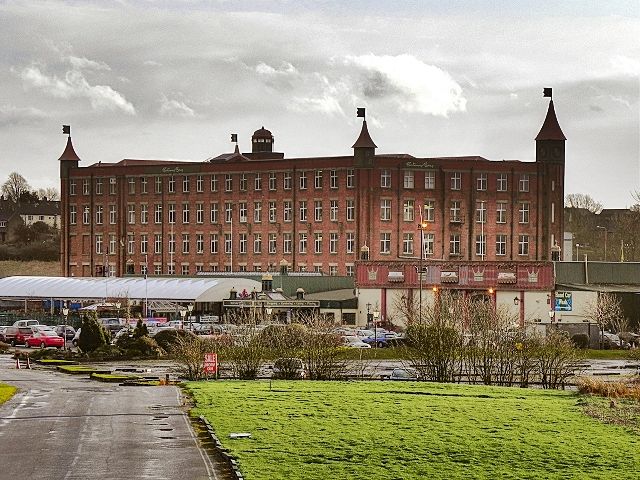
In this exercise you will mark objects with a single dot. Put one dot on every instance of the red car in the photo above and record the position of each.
(44, 338)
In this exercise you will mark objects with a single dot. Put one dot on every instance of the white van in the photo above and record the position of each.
(25, 323)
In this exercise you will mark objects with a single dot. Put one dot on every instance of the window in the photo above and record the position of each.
(172, 213)
(303, 211)
(317, 180)
(333, 179)
(385, 178)
(287, 209)
(257, 182)
(428, 243)
(158, 184)
(144, 243)
(481, 182)
(287, 181)
(454, 211)
(85, 186)
(454, 244)
(228, 182)
(98, 186)
(333, 210)
(523, 184)
(350, 179)
(351, 242)
(199, 184)
(407, 243)
(408, 211)
(228, 212)
(171, 269)
(385, 209)
(86, 215)
(72, 187)
(144, 214)
(227, 243)
(456, 181)
(317, 242)
(430, 180)
(303, 180)
(524, 212)
(185, 213)
(185, 243)
(157, 243)
(333, 242)
(73, 214)
(99, 243)
(172, 184)
(184, 270)
(242, 210)
(501, 244)
(501, 212)
(131, 244)
(272, 181)
(257, 243)
(99, 214)
(172, 243)
(287, 243)
(408, 179)
(501, 182)
(385, 243)
(199, 213)
(199, 243)
(131, 214)
(351, 271)
(112, 214)
(273, 242)
(333, 270)
(481, 245)
(243, 182)
(481, 212)
(257, 212)
(351, 211)
(214, 182)
(523, 244)
(214, 212)
(317, 210)
(273, 212)
(428, 215)
(157, 214)
(213, 242)
(302, 243)
(143, 185)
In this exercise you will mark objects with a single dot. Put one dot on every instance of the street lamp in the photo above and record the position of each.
(269, 311)
(65, 314)
(183, 312)
(605, 240)
(376, 315)
(368, 313)
(422, 226)
(190, 308)
(577, 252)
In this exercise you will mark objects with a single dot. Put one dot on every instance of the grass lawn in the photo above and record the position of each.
(6, 392)
(394, 430)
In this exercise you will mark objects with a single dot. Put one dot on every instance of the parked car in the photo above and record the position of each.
(41, 328)
(406, 374)
(70, 332)
(353, 341)
(631, 338)
(113, 325)
(382, 340)
(44, 338)
(610, 341)
(25, 323)
(17, 335)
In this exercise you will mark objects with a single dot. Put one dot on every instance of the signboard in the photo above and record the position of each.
(564, 302)
(211, 363)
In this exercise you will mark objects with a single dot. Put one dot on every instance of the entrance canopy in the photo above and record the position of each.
(94, 288)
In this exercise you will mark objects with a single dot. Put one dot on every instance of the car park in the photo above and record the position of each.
(112, 324)
(353, 341)
(25, 323)
(44, 338)
(612, 341)
(70, 331)
(17, 335)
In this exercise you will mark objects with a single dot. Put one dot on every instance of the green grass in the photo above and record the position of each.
(80, 369)
(113, 377)
(606, 354)
(393, 430)
(6, 392)
(55, 361)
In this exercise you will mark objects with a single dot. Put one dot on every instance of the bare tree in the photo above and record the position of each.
(49, 193)
(606, 312)
(15, 186)
(581, 200)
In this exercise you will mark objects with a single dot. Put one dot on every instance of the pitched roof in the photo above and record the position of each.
(364, 140)
(69, 153)
(551, 128)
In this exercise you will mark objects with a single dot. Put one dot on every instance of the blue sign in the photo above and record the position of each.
(564, 302)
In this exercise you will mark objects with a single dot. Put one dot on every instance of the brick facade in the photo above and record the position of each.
(313, 214)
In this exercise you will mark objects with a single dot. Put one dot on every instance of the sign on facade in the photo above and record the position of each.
(564, 302)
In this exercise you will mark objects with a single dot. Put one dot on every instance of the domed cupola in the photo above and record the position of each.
(262, 141)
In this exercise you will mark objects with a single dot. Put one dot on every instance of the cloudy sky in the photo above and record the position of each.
(172, 80)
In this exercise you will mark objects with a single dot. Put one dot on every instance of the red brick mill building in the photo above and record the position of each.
(260, 210)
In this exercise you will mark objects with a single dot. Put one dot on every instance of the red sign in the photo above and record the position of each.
(210, 363)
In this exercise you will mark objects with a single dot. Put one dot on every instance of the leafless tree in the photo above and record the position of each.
(15, 186)
(581, 200)
(320, 350)
(606, 311)
(49, 193)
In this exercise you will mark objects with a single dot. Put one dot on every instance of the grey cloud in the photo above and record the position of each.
(11, 115)
(377, 85)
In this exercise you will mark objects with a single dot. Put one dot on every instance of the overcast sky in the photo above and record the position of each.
(173, 79)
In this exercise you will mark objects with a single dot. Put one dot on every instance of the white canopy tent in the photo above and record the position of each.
(193, 290)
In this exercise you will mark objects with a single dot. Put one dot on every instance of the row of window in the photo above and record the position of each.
(185, 269)
(141, 184)
(272, 240)
(455, 211)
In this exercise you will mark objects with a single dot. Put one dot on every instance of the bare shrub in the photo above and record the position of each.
(557, 359)
(189, 353)
(596, 386)
(320, 351)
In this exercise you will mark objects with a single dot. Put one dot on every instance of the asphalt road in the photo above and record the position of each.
(67, 427)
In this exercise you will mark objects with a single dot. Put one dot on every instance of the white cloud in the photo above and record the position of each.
(84, 63)
(326, 104)
(75, 85)
(626, 66)
(151, 63)
(413, 84)
(285, 69)
(12, 115)
(175, 107)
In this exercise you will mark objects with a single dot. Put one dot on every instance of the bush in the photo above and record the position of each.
(139, 346)
(581, 340)
(51, 353)
(92, 335)
(168, 338)
(4, 347)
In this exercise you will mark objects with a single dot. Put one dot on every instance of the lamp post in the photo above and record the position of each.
(376, 315)
(577, 252)
(605, 240)
(268, 311)
(183, 312)
(422, 227)
(65, 314)
(190, 308)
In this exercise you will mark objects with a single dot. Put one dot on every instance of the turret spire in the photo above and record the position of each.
(551, 128)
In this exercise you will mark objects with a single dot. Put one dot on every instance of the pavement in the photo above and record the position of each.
(68, 427)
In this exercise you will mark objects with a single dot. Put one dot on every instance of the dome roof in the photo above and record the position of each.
(262, 133)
